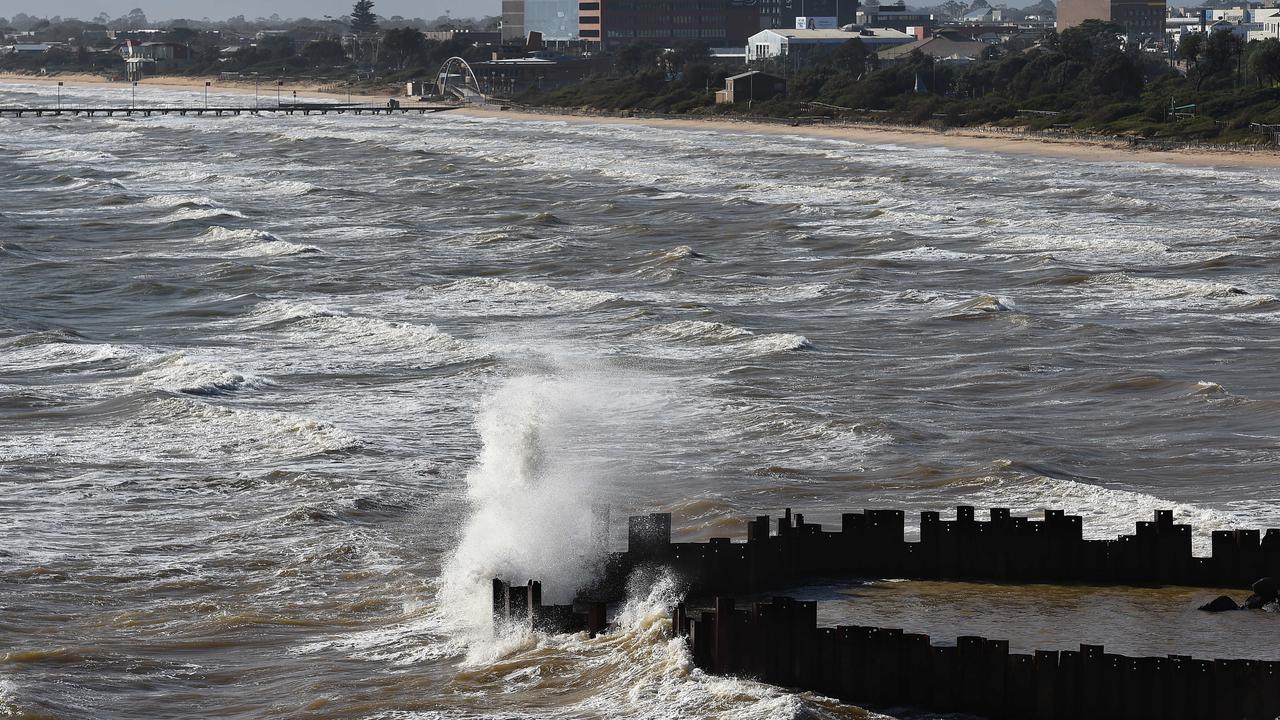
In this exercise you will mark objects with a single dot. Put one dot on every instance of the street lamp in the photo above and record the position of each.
(256, 81)
(278, 84)
(59, 94)
(206, 94)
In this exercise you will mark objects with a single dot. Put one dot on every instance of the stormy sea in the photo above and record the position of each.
(279, 395)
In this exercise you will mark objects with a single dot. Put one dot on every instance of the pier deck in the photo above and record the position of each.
(289, 109)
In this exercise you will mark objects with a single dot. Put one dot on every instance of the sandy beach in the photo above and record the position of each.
(976, 139)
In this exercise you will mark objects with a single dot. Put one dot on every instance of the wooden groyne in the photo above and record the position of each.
(779, 642)
(1003, 547)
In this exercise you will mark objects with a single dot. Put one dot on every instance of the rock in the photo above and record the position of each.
(1221, 604)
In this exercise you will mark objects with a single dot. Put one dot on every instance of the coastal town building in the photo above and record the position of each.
(798, 44)
(556, 20)
(718, 23)
(151, 58)
(895, 15)
(1139, 18)
(817, 14)
(753, 85)
(940, 48)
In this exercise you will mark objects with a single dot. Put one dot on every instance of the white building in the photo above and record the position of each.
(1265, 23)
(777, 43)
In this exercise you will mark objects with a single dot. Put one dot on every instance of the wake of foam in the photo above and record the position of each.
(638, 671)
(186, 214)
(164, 430)
(494, 296)
(176, 372)
(181, 201)
(699, 330)
(1106, 512)
(22, 357)
(715, 338)
(274, 248)
(1179, 292)
(221, 235)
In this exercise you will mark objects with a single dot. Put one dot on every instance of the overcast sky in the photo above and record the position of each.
(220, 9)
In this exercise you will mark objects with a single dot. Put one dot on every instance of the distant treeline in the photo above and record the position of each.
(1084, 79)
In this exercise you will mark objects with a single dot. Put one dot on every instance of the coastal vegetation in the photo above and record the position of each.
(1086, 79)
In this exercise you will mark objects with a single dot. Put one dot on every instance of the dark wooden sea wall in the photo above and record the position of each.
(779, 642)
(1004, 547)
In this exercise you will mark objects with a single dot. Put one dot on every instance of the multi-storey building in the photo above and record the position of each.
(557, 20)
(718, 23)
(783, 13)
(1139, 18)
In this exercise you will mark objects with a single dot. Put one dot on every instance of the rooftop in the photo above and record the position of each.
(839, 34)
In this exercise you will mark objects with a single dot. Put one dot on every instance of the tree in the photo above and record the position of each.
(1191, 49)
(1117, 74)
(637, 56)
(1265, 61)
(404, 45)
(324, 52)
(1222, 53)
(363, 21)
(851, 56)
(1090, 40)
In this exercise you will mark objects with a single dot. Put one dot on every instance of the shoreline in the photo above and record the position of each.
(192, 84)
(988, 140)
(971, 139)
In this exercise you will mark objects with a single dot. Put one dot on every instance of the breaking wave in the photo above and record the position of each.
(719, 338)
(513, 297)
(176, 372)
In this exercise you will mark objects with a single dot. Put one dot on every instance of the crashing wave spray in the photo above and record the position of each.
(551, 447)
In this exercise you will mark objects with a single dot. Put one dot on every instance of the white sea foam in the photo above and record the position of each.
(383, 340)
(638, 671)
(494, 296)
(273, 248)
(181, 201)
(221, 235)
(1106, 512)
(1133, 291)
(69, 155)
(185, 214)
(980, 306)
(54, 355)
(9, 698)
(928, 253)
(699, 330)
(165, 430)
(530, 508)
(703, 338)
(176, 372)
(278, 311)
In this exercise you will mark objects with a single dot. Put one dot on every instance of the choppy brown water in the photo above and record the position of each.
(276, 394)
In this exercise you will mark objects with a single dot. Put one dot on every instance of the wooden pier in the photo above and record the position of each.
(184, 110)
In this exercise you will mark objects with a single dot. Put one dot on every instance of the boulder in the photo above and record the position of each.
(1220, 604)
